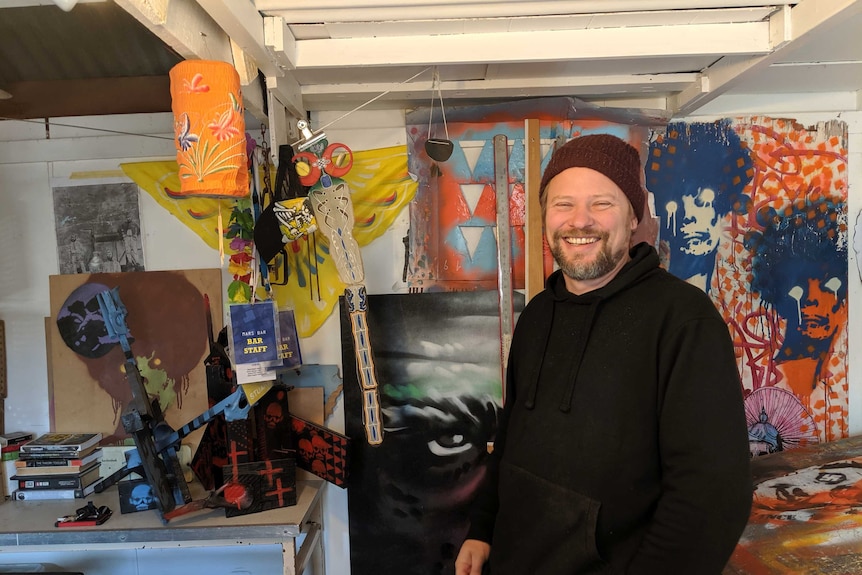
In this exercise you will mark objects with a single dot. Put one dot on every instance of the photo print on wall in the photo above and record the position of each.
(98, 228)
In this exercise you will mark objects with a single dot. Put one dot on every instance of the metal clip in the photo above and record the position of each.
(309, 137)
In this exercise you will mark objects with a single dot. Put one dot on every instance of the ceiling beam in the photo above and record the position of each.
(536, 46)
(314, 11)
(87, 97)
(193, 34)
(183, 25)
(280, 41)
(288, 93)
(789, 27)
(29, 3)
(631, 85)
(245, 26)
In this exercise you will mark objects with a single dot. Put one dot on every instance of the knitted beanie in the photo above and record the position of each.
(606, 154)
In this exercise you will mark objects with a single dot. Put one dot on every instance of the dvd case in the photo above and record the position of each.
(48, 494)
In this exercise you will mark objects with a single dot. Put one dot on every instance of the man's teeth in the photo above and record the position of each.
(580, 241)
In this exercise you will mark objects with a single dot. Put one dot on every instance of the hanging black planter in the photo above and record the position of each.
(439, 150)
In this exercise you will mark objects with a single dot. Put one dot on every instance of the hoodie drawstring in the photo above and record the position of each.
(530, 400)
(566, 403)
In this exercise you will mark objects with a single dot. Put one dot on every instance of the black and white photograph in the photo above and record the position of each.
(98, 228)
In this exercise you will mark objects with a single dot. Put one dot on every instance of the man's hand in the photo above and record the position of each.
(472, 556)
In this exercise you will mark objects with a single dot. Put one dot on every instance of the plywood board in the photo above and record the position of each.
(806, 512)
(168, 324)
(307, 403)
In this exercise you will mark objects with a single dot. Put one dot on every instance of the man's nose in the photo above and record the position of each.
(580, 217)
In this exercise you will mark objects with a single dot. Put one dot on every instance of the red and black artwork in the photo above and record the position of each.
(275, 438)
(321, 451)
(269, 484)
(264, 434)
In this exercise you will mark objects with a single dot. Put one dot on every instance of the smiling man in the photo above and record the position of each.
(622, 447)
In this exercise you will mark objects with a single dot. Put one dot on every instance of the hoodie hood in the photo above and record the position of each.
(644, 262)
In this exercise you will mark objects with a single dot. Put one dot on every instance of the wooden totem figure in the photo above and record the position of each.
(320, 166)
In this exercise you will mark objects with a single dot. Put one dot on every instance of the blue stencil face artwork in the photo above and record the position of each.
(697, 173)
(80, 322)
(799, 266)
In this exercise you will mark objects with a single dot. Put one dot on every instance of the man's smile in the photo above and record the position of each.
(580, 241)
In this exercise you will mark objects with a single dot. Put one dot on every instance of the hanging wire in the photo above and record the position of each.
(41, 121)
(435, 83)
(122, 133)
(360, 106)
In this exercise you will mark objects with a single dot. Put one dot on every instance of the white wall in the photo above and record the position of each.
(29, 164)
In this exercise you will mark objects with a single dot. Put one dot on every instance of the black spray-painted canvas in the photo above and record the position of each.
(438, 360)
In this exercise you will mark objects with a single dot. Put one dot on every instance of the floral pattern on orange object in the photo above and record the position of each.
(210, 130)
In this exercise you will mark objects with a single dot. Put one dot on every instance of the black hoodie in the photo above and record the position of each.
(623, 445)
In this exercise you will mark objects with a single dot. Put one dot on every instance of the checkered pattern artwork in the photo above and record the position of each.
(321, 451)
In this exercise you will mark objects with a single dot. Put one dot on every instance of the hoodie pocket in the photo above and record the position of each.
(542, 527)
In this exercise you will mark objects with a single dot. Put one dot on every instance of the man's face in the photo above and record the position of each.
(818, 305)
(588, 224)
(699, 228)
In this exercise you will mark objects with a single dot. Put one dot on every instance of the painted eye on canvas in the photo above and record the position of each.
(446, 445)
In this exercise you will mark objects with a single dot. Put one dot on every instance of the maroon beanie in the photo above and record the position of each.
(606, 154)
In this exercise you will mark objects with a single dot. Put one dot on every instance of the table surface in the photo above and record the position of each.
(826, 539)
(26, 523)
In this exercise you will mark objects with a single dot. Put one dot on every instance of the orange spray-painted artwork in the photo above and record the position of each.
(754, 211)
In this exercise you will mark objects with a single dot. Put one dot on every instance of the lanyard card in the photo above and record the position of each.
(254, 341)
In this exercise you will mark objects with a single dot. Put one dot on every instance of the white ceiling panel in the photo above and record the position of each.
(340, 54)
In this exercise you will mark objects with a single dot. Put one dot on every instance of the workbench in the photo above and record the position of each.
(205, 539)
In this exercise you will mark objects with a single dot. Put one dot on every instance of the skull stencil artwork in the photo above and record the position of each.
(136, 495)
(274, 415)
(273, 429)
(142, 497)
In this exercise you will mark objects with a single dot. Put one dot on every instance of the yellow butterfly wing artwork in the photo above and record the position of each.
(307, 281)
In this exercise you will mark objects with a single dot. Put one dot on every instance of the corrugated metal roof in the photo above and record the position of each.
(98, 40)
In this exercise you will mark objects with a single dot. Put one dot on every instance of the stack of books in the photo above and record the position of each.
(10, 444)
(58, 466)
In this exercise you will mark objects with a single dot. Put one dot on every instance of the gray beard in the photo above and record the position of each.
(604, 263)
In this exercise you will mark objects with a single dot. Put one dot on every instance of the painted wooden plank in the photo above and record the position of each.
(535, 276)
